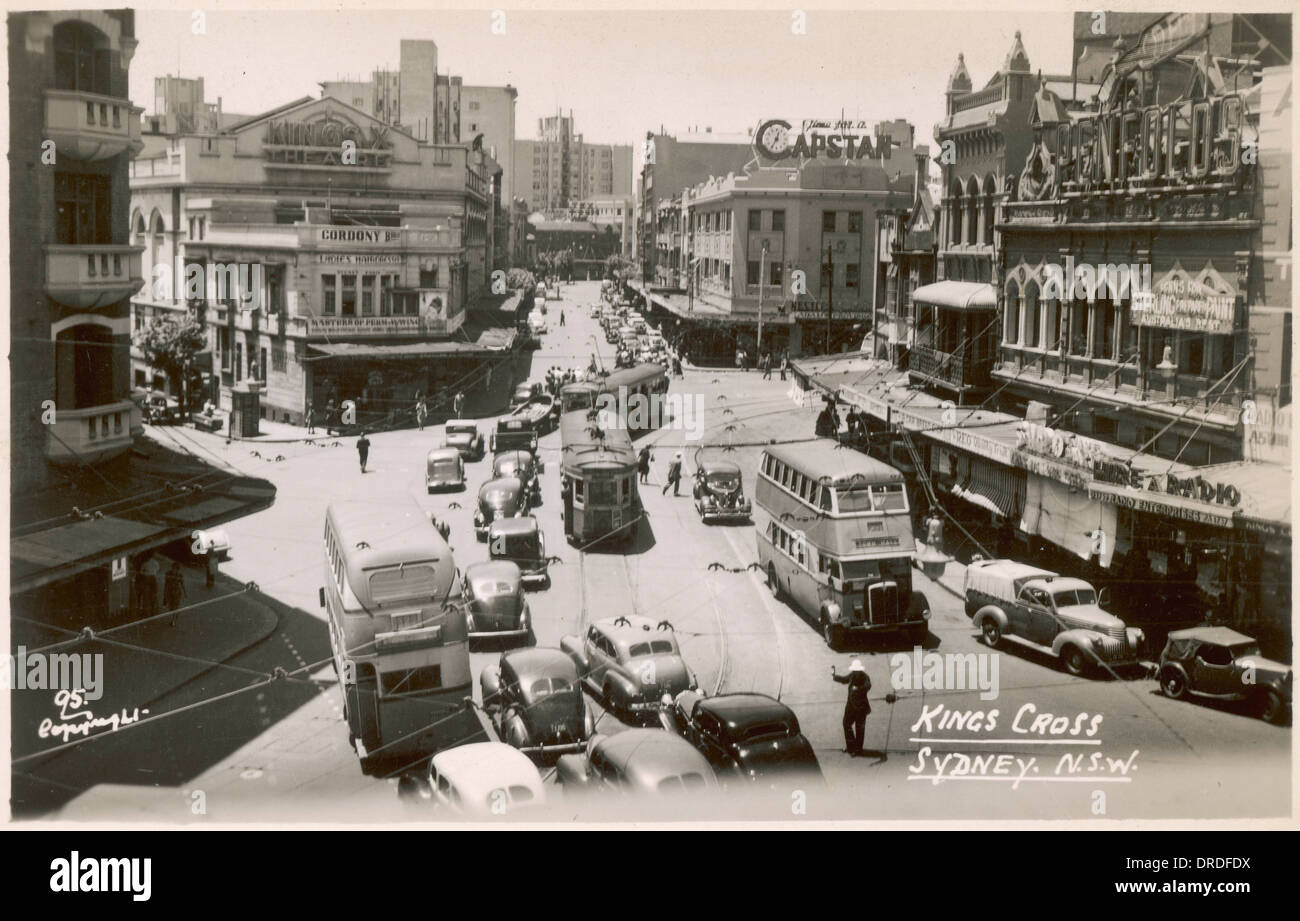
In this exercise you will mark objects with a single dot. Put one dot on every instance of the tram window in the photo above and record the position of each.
(825, 499)
(578, 490)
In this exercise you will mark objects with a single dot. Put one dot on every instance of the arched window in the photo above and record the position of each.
(974, 217)
(81, 58)
(990, 209)
(955, 215)
(83, 360)
(1011, 318)
(1032, 320)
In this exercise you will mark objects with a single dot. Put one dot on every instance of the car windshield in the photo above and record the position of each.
(495, 588)
(500, 496)
(460, 430)
(727, 481)
(521, 545)
(1073, 596)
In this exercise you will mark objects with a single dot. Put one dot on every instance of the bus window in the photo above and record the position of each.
(889, 497)
(403, 582)
(850, 499)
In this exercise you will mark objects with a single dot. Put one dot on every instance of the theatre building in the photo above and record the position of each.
(359, 253)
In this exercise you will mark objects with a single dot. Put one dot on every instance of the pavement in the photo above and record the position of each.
(282, 753)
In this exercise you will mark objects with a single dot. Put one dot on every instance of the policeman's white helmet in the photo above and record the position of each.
(856, 666)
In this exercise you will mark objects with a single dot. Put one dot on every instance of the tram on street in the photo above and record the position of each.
(647, 382)
(597, 481)
(834, 534)
(397, 633)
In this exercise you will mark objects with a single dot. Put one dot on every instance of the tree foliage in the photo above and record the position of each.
(520, 278)
(169, 342)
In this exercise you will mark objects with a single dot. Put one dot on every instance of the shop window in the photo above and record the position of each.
(367, 297)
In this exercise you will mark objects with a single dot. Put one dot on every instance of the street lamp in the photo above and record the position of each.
(762, 270)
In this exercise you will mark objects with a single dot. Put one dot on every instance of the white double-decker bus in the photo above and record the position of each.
(398, 632)
(834, 536)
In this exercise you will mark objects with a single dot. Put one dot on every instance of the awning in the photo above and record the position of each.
(1070, 518)
(996, 490)
(395, 350)
(959, 295)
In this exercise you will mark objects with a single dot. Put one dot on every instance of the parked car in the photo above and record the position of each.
(535, 702)
(718, 493)
(495, 604)
(521, 464)
(485, 779)
(514, 432)
(537, 322)
(594, 311)
(630, 663)
(160, 409)
(637, 761)
(520, 540)
(1059, 615)
(463, 435)
(1219, 662)
(502, 497)
(444, 468)
(524, 393)
(751, 737)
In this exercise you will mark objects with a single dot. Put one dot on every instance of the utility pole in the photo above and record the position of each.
(762, 268)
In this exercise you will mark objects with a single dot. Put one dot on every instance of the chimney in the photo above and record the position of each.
(922, 153)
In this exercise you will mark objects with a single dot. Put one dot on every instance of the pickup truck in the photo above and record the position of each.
(1052, 612)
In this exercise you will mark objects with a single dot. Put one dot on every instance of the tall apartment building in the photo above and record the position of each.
(490, 111)
(560, 167)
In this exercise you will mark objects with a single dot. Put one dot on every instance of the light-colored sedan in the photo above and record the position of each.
(485, 779)
(444, 468)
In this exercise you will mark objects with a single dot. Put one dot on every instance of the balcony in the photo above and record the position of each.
(89, 276)
(87, 126)
(91, 434)
(954, 369)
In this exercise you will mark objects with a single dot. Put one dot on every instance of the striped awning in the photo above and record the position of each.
(997, 490)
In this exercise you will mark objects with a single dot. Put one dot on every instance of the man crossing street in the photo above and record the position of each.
(363, 449)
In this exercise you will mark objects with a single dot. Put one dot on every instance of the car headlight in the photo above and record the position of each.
(925, 614)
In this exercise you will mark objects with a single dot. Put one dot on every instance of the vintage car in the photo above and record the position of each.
(160, 409)
(542, 412)
(630, 663)
(718, 493)
(524, 392)
(537, 322)
(444, 468)
(502, 497)
(535, 702)
(521, 464)
(1059, 615)
(514, 433)
(593, 311)
(1219, 662)
(637, 761)
(749, 737)
(463, 435)
(495, 606)
(520, 540)
(485, 779)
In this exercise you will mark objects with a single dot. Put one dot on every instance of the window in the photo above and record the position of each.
(348, 302)
(579, 491)
(828, 221)
(81, 59)
(328, 291)
(851, 275)
(261, 366)
(277, 359)
(753, 273)
(776, 273)
(83, 212)
(778, 220)
(855, 222)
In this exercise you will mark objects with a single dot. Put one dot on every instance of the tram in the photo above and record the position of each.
(597, 481)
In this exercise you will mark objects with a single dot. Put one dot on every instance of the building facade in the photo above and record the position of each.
(351, 278)
(560, 167)
(73, 266)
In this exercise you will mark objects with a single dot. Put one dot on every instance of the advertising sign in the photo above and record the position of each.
(1206, 304)
(840, 139)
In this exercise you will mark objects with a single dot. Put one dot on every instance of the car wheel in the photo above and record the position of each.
(1173, 684)
(833, 634)
(992, 633)
(1076, 663)
(1272, 709)
(607, 698)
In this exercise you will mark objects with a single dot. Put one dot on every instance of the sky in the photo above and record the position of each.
(621, 72)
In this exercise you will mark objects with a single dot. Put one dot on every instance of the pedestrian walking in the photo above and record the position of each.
(561, 317)
(856, 706)
(363, 449)
(458, 405)
(785, 361)
(311, 419)
(674, 474)
(210, 579)
(643, 460)
(421, 412)
(767, 366)
(174, 590)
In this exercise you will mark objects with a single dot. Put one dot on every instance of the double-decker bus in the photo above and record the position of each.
(834, 536)
(398, 634)
(645, 382)
(597, 481)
